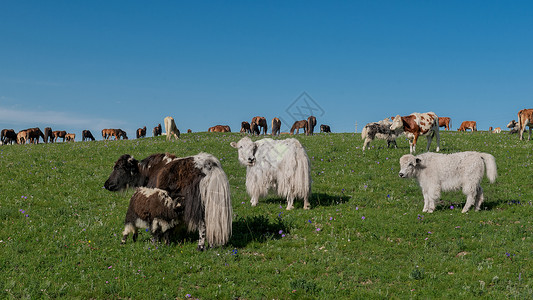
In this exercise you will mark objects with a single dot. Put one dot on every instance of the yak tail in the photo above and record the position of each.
(490, 165)
(215, 195)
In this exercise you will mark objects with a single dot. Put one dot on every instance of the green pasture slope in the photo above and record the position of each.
(365, 236)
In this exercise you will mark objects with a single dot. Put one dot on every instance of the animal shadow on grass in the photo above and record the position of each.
(316, 199)
(257, 229)
(458, 205)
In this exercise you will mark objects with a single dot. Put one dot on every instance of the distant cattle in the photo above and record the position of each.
(380, 130)
(496, 130)
(141, 132)
(276, 126)
(417, 124)
(219, 128)
(245, 127)
(297, 125)
(70, 137)
(157, 130)
(189, 130)
(171, 128)
(513, 125)
(311, 123)
(525, 118)
(59, 134)
(468, 125)
(87, 135)
(48, 135)
(445, 122)
(325, 128)
(8, 136)
(261, 122)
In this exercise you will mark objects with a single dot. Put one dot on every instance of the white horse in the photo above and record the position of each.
(171, 128)
(282, 165)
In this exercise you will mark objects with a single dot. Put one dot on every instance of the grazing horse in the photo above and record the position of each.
(311, 123)
(245, 127)
(276, 126)
(108, 133)
(297, 125)
(254, 128)
(157, 130)
(189, 130)
(59, 134)
(171, 128)
(197, 183)
(48, 135)
(8, 136)
(70, 137)
(34, 134)
(219, 128)
(445, 122)
(87, 135)
(261, 122)
(325, 128)
(22, 137)
(141, 132)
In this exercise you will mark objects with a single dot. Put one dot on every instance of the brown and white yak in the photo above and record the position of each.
(197, 185)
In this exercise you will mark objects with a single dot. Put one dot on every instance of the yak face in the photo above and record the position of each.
(125, 174)
(246, 149)
(409, 165)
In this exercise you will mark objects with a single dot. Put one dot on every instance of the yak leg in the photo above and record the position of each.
(479, 199)
(290, 203)
(201, 240)
(306, 202)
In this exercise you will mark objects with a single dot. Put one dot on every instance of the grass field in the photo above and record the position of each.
(365, 236)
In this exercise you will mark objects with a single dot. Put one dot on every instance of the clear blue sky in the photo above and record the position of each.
(76, 65)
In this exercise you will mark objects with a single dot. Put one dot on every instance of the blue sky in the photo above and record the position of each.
(75, 65)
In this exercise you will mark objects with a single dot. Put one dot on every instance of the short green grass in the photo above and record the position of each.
(365, 236)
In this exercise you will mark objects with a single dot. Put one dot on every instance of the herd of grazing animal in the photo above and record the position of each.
(194, 191)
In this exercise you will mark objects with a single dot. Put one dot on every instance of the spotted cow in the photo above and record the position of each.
(417, 124)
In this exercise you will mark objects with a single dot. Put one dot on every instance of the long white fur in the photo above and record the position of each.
(215, 195)
(437, 172)
(281, 165)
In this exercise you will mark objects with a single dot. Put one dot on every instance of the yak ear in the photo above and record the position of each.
(233, 144)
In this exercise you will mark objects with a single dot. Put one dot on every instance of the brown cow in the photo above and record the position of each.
(157, 130)
(417, 124)
(70, 137)
(261, 122)
(245, 127)
(219, 128)
(8, 136)
(59, 134)
(297, 125)
(525, 118)
(496, 130)
(141, 132)
(276, 126)
(445, 122)
(468, 125)
(311, 123)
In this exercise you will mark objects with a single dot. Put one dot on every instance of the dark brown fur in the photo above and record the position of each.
(260, 122)
(157, 130)
(297, 125)
(245, 127)
(141, 132)
(276, 126)
(311, 123)
(8, 136)
(86, 135)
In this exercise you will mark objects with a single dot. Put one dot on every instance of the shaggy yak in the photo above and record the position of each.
(171, 128)
(380, 130)
(437, 172)
(197, 183)
(275, 164)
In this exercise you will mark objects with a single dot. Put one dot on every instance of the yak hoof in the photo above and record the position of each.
(200, 248)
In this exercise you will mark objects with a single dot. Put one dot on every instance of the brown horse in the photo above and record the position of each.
(108, 133)
(276, 126)
(311, 123)
(157, 130)
(59, 134)
(87, 135)
(70, 137)
(297, 125)
(34, 134)
(141, 132)
(22, 137)
(245, 127)
(260, 122)
(8, 136)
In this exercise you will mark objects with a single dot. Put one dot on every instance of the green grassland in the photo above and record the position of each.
(365, 236)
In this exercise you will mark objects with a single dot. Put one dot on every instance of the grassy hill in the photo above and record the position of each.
(365, 236)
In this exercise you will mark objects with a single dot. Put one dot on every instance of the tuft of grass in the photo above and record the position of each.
(365, 236)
